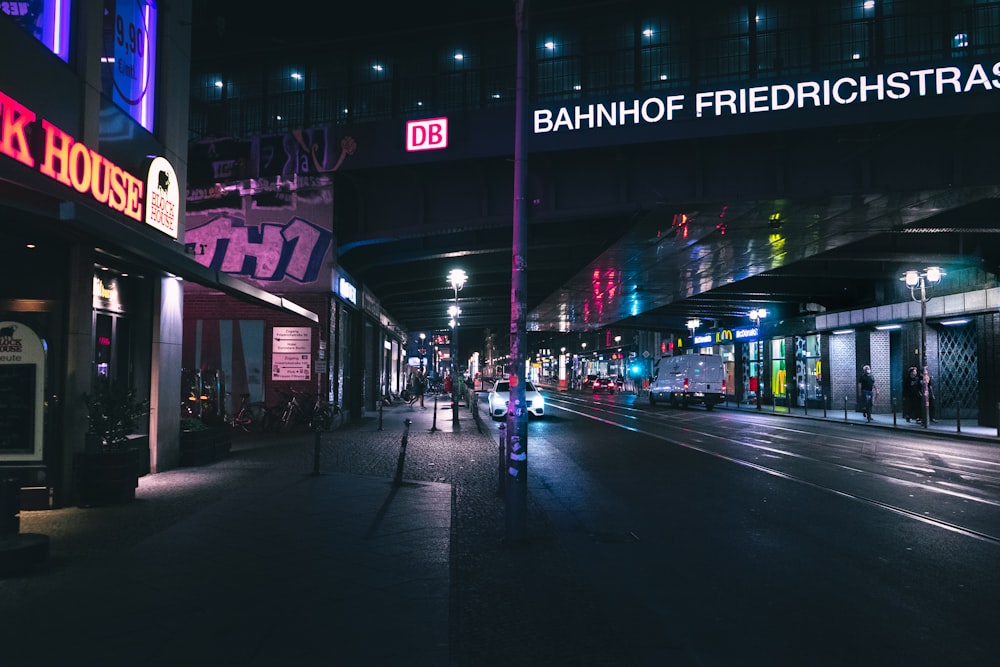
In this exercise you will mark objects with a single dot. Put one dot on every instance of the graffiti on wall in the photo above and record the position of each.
(269, 252)
(266, 167)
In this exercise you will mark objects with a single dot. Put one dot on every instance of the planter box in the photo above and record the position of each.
(104, 478)
(205, 446)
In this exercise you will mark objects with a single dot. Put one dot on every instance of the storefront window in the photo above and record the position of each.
(779, 374)
(809, 371)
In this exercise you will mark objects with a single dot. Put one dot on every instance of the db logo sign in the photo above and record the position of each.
(426, 135)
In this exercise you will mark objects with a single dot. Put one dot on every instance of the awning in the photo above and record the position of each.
(174, 260)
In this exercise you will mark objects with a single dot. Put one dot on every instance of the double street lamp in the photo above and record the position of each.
(457, 278)
(918, 281)
(756, 315)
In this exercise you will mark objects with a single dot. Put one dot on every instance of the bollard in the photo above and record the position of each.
(824, 405)
(845, 408)
(380, 406)
(434, 418)
(402, 452)
(503, 460)
(894, 413)
(316, 452)
(958, 417)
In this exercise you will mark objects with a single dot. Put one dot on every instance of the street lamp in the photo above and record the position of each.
(756, 315)
(917, 281)
(457, 278)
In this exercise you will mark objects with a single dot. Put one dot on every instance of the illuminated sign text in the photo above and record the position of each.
(71, 163)
(426, 135)
(843, 91)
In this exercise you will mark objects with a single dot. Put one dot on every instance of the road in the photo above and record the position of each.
(730, 537)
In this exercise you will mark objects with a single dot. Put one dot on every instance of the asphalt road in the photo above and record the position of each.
(736, 538)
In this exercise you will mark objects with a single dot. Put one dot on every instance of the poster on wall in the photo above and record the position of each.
(22, 379)
(129, 60)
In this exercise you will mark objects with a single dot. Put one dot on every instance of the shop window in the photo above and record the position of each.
(808, 371)
(779, 373)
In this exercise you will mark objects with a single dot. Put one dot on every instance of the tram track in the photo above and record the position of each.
(966, 480)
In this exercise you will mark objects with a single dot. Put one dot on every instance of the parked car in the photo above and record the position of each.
(607, 385)
(500, 397)
(688, 379)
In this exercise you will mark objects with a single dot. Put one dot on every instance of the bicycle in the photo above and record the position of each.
(249, 416)
(325, 417)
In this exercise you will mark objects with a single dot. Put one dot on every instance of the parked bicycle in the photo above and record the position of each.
(302, 409)
(248, 417)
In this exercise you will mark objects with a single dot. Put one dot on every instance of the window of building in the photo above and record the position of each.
(911, 31)
(557, 68)
(845, 35)
(608, 66)
(128, 60)
(782, 40)
(724, 45)
(457, 86)
(974, 28)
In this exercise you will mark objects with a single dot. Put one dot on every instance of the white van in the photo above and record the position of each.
(689, 379)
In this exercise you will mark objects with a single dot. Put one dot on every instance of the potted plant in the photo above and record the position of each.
(108, 470)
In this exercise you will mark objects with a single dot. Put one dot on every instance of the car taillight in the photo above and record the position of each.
(685, 384)
(723, 386)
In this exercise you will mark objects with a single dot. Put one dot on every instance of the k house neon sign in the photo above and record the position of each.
(59, 156)
(848, 90)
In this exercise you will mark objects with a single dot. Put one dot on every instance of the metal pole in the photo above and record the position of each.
(760, 365)
(316, 452)
(516, 491)
(923, 353)
(381, 403)
(402, 453)
(434, 419)
(502, 473)
(454, 364)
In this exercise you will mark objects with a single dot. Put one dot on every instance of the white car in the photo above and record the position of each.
(500, 395)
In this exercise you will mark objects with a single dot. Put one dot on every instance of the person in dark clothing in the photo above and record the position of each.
(867, 392)
(912, 407)
(927, 393)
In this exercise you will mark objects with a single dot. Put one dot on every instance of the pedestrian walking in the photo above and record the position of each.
(912, 405)
(927, 394)
(867, 391)
(421, 387)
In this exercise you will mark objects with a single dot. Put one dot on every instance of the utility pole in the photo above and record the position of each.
(516, 499)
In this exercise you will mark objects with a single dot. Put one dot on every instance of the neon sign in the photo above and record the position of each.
(430, 134)
(846, 90)
(74, 165)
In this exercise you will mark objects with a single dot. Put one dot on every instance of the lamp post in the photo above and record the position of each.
(756, 315)
(917, 281)
(457, 278)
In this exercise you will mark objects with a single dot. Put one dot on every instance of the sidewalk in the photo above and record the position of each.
(255, 560)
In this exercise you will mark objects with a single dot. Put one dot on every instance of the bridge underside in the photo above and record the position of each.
(651, 235)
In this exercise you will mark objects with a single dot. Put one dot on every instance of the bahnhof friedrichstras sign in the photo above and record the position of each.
(846, 91)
